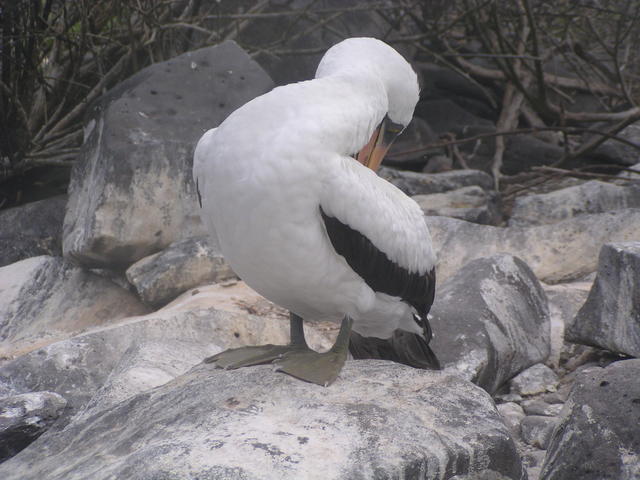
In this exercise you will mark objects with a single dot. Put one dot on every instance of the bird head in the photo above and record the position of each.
(370, 56)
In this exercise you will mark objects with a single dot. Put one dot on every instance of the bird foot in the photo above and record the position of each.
(308, 365)
(249, 356)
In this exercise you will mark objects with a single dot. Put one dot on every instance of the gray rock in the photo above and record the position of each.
(97, 369)
(524, 151)
(43, 299)
(472, 204)
(490, 321)
(536, 379)
(538, 406)
(406, 152)
(378, 420)
(562, 252)
(631, 175)
(621, 153)
(23, 418)
(445, 116)
(610, 318)
(301, 39)
(31, 230)
(512, 414)
(131, 192)
(414, 183)
(163, 276)
(565, 299)
(590, 197)
(599, 438)
(536, 430)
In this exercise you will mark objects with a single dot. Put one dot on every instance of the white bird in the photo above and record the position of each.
(309, 225)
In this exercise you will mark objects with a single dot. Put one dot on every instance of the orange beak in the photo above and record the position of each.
(374, 151)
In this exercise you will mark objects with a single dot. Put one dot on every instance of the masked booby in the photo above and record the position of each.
(287, 185)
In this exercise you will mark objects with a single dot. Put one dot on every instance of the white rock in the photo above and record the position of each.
(378, 420)
(43, 299)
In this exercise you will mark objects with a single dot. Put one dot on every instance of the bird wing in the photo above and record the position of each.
(380, 232)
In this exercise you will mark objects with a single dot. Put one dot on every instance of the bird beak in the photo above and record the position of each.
(373, 152)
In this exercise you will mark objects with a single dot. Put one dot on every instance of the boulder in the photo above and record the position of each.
(565, 299)
(131, 193)
(289, 47)
(407, 151)
(590, 197)
(610, 318)
(620, 153)
(536, 430)
(490, 321)
(445, 116)
(414, 183)
(379, 420)
(31, 230)
(537, 406)
(598, 437)
(161, 277)
(23, 418)
(472, 204)
(536, 379)
(106, 365)
(44, 298)
(556, 253)
(512, 414)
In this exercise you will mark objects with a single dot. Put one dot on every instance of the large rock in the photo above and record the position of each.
(31, 230)
(97, 369)
(414, 183)
(491, 321)
(131, 193)
(47, 298)
(289, 47)
(472, 204)
(561, 252)
(379, 420)
(163, 276)
(598, 437)
(23, 418)
(590, 197)
(565, 299)
(610, 318)
(445, 116)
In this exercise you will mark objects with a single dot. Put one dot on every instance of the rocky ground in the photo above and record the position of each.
(111, 297)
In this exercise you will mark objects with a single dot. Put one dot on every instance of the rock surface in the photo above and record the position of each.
(590, 197)
(565, 251)
(161, 277)
(537, 430)
(104, 366)
(565, 299)
(378, 420)
(118, 215)
(536, 379)
(490, 321)
(23, 418)
(610, 318)
(472, 204)
(414, 183)
(599, 439)
(47, 298)
(31, 230)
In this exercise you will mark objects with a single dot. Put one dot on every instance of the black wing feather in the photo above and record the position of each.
(384, 275)
(377, 270)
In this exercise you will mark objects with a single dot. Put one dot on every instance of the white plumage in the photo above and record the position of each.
(267, 171)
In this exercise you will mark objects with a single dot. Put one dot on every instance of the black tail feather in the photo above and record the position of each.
(403, 347)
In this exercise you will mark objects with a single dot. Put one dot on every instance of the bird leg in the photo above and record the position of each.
(296, 359)
(257, 355)
(314, 367)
